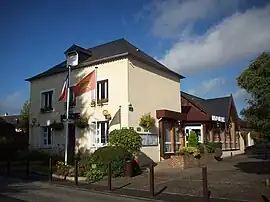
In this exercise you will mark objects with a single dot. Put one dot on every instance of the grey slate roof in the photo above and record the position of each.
(10, 119)
(216, 106)
(112, 50)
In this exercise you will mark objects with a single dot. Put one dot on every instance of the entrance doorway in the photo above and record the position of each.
(71, 143)
(197, 130)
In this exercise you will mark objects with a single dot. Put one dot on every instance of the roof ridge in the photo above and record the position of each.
(110, 42)
(193, 95)
(218, 98)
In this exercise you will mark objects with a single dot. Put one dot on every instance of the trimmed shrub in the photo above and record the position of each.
(97, 166)
(128, 139)
(193, 139)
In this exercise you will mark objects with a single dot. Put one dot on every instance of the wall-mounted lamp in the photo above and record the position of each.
(34, 122)
(130, 107)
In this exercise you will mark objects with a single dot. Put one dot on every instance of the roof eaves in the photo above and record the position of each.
(84, 64)
(194, 103)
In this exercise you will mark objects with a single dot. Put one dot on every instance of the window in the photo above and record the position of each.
(102, 132)
(167, 138)
(102, 90)
(46, 101)
(46, 136)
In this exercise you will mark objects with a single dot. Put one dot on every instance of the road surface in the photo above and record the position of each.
(15, 191)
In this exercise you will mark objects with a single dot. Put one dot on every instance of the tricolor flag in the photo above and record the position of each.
(63, 95)
(88, 83)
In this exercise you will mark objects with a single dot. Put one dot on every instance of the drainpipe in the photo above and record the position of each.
(159, 159)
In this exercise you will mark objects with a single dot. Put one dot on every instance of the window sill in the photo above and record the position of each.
(101, 104)
(46, 111)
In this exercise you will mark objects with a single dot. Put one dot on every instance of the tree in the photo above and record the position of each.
(193, 139)
(24, 117)
(256, 81)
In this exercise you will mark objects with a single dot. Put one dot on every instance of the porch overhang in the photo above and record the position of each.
(173, 115)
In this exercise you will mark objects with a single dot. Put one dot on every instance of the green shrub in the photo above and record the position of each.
(212, 146)
(193, 139)
(94, 174)
(194, 151)
(129, 139)
(101, 157)
(62, 169)
(147, 121)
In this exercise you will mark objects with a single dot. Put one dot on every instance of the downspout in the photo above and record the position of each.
(159, 132)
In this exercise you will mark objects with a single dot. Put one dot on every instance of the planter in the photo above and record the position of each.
(188, 161)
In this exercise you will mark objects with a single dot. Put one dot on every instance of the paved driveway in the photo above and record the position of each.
(18, 191)
(241, 177)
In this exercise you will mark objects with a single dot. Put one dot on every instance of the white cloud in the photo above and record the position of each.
(174, 16)
(240, 95)
(237, 37)
(214, 85)
(12, 104)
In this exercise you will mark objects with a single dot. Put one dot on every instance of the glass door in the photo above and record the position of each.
(197, 130)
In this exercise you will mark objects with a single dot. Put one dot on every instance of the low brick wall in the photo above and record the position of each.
(188, 161)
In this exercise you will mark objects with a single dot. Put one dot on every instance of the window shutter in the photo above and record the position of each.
(40, 137)
(92, 135)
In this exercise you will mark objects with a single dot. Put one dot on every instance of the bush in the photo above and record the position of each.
(94, 174)
(193, 139)
(62, 169)
(194, 151)
(129, 139)
(212, 146)
(97, 166)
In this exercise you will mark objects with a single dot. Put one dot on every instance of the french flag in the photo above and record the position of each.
(63, 95)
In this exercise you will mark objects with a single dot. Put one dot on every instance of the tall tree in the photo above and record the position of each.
(256, 81)
(24, 117)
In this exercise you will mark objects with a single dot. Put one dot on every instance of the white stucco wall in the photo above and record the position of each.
(149, 90)
(130, 82)
(116, 72)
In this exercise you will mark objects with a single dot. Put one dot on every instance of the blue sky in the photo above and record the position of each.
(208, 41)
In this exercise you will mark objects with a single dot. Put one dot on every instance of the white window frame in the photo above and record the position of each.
(190, 128)
(43, 137)
(106, 89)
(98, 134)
(166, 142)
(41, 97)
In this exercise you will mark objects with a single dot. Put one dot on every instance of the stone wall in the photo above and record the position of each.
(188, 161)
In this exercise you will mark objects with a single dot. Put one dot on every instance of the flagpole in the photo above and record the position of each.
(96, 100)
(67, 115)
(120, 116)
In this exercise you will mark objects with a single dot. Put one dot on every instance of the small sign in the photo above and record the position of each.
(218, 118)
